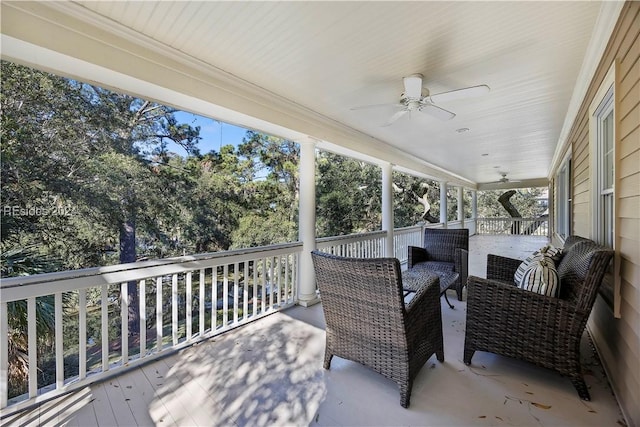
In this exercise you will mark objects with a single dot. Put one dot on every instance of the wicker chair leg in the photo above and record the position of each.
(468, 354)
(327, 359)
(440, 355)
(459, 291)
(581, 387)
(405, 394)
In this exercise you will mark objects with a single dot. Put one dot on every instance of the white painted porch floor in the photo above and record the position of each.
(270, 373)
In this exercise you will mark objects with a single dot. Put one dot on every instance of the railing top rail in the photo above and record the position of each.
(542, 218)
(410, 229)
(355, 237)
(120, 273)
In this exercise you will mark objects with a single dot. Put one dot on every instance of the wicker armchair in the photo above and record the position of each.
(444, 249)
(513, 322)
(367, 320)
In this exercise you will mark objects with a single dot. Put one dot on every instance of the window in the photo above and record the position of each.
(563, 199)
(602, 151)
(604, 171)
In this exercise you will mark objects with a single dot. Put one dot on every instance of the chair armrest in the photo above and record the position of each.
(501, 268)
(416, 255)
(423, 316)
(430, 289)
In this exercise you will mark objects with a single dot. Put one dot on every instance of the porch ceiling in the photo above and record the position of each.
(327, 57)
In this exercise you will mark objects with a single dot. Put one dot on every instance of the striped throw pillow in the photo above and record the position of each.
(548, 250)
(541, 277)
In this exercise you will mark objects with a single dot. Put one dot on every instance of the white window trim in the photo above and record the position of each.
(564, 199)
(608, 83)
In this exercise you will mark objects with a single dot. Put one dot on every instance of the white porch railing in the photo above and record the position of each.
(405, 237)
(181, 301)
(518, 226)
(358, 245)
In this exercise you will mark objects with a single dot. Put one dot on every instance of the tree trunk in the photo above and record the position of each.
(128, 254)
(506, 203)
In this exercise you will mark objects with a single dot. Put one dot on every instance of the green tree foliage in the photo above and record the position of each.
(348, 195)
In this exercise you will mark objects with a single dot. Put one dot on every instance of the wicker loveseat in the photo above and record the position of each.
(443, 249)
(367, 320)
(506, 320)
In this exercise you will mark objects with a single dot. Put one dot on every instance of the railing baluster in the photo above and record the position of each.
(32, 349)
(201, 306)
(225, 295)
(263, 280)
(271, 282)
(82, 334)
(254, 288)
(104, 319)
(286, 278)
(59, 334)
(124, 322)
(245, 293)
(159, 320)
(174, 308)
(214, 298)
(4, 355)
(143, 318)
(189, 306)
(236, 283)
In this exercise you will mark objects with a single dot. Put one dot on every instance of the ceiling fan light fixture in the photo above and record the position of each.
(413, 86)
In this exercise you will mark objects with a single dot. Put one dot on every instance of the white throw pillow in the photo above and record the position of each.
(548, 250)
(541, 277)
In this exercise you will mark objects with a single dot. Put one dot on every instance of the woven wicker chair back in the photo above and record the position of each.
(358, 293)
(581, 271)
(441, 244)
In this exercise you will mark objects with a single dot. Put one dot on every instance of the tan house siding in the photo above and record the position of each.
(617, 340)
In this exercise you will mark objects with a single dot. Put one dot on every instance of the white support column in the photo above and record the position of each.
(307, 224)
(461, 206)
(443, 203)
(474, 210)
(387, 207)
(474, 205)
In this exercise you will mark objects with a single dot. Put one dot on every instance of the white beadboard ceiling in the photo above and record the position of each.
(332, 56)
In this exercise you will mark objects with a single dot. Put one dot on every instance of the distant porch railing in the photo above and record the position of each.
(514, 226)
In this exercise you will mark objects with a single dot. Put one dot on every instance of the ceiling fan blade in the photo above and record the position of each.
(395, 117)
(437, 112)
(413, 86)
(452, 95)
(364, 107)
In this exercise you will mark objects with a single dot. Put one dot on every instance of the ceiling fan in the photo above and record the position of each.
(417, 98)
(504, 179)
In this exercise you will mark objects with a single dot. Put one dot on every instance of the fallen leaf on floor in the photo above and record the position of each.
(482, 416)
(540, 405)
(500, 418)
(528, 392)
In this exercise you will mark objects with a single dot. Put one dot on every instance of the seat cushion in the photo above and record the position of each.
(435, 265)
